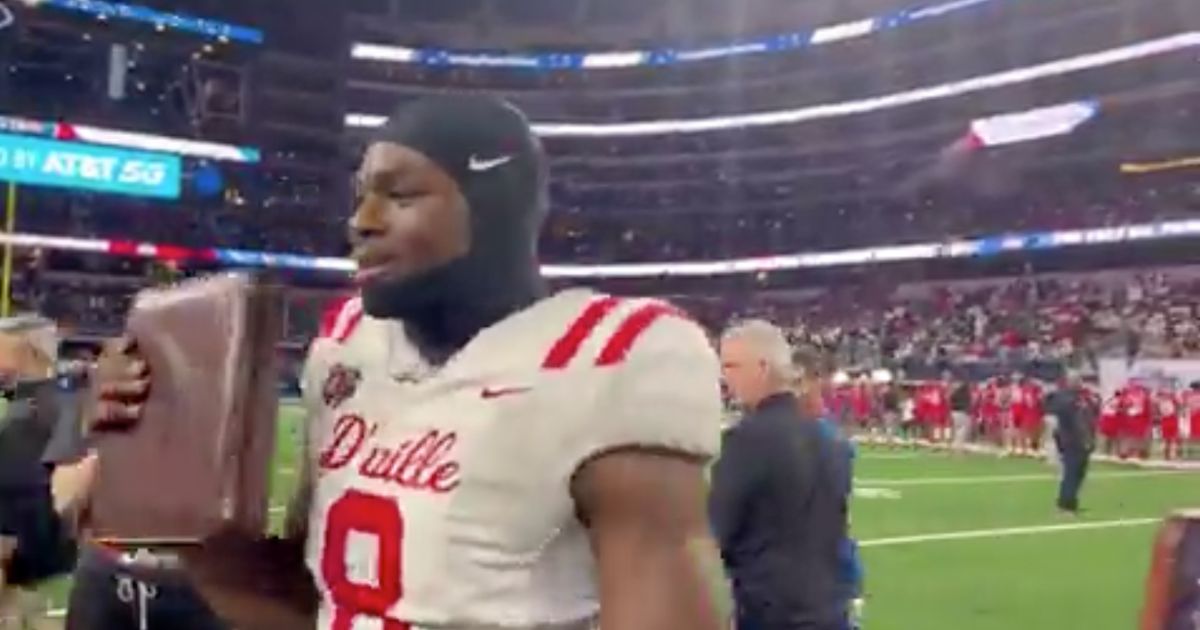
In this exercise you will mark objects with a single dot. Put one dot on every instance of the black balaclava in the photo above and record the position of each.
(488, 148)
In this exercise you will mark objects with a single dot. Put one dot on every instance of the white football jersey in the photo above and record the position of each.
(442, 496)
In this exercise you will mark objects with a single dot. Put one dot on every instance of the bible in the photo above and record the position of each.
(198, 462)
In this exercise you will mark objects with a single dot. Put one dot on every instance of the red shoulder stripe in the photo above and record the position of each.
(565, 349)
(346, 320)
(627, 333)
(330, 316)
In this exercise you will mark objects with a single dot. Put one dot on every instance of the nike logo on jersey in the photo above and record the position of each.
(481, 165)
(490, 393)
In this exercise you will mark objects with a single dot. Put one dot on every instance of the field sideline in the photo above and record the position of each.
(953, 542)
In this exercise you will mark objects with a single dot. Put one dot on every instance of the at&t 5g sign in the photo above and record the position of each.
(43, 162)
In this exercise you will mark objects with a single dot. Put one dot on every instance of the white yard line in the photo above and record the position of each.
(982, 449)
(1010, 531)
(862, 455)
(941, 481)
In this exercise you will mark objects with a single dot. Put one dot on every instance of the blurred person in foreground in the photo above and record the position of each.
(1074, 434)
(480, 454)
(778, 504)
(43, 473)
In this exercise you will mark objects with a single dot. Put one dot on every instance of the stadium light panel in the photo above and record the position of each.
(619, 59)
(1033, 124)
(840, 32)
(375, 52)
(942, 9)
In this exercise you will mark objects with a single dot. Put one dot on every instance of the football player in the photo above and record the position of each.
(1191, 404)
(933, 410)
(1167, 407)
(1138, 421)
(1029, 415)
(1111, 417)
(481, 454)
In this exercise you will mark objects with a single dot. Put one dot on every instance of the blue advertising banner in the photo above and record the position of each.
(165, 19)
(42, 162)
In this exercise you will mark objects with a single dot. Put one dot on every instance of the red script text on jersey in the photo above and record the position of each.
(421, 463)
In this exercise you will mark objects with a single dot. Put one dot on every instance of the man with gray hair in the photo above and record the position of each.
(778, 503)
(39, 479)
(46, 471)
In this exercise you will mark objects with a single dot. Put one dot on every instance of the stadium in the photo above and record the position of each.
(978, 191)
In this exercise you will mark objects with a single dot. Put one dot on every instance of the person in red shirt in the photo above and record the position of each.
(862, 402)
(1168, 422)
(841, 407)
(1191, 404)
(1016, 415)
(989, 413)
(1027, 415)
(933, 411)
(1035, 396)
(1012, 412)
(1110, 421)
(1138, 421)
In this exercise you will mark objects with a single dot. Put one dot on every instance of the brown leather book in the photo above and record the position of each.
(198, 462)
(1173, 586)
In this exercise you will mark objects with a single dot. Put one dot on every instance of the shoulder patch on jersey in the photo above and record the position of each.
(341, 325)
(340, 385)
(567, 347)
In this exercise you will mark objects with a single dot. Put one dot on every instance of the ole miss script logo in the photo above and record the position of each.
(340, 385)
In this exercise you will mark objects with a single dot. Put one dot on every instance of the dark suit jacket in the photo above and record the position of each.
(40, 428)
(778, 508)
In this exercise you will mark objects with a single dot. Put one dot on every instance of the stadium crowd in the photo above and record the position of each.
(1038, 324)
(1052, 318)
(589, 234)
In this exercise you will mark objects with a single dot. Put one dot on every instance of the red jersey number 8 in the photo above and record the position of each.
(378, 517)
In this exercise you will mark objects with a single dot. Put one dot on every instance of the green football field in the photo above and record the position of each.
(974, 542)
(956, 542)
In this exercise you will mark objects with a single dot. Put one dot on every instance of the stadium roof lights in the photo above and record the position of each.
(981, 247)
(980, 83)
(781, 42)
